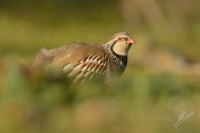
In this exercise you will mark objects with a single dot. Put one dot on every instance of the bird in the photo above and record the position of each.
(83, 61)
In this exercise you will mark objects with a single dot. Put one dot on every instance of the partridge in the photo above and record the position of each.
(83, 61)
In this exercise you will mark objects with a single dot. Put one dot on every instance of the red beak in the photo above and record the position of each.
(130, 41)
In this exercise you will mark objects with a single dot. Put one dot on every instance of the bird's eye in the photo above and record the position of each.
(120, 38)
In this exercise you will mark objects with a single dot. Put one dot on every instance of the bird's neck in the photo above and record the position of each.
(121, 60)
(109, 48)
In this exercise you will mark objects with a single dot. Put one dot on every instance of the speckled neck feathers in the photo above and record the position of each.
(118, 62)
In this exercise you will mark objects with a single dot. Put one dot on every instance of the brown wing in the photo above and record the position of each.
(79, 61)
(89, 68)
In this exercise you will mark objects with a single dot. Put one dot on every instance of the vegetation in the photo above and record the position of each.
(161, 80)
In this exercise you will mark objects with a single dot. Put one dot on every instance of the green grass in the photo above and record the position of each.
(148, 98)
(142, 102)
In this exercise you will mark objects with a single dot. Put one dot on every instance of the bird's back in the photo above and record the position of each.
(69, 53)
(78, 61)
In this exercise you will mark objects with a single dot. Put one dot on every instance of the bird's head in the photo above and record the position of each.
(120, 43)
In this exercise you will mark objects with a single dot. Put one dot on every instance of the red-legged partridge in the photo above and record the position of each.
(83, 61)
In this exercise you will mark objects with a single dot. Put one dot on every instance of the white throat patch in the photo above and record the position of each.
(121, 48)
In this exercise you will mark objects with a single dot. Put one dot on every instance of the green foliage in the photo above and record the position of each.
(148, 98)
(145, 102)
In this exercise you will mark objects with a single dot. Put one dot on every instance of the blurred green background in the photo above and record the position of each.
(162, 78)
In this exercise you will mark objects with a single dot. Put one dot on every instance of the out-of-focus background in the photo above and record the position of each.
(162, 79)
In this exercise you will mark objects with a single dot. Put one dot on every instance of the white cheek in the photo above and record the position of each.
(121, 48)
